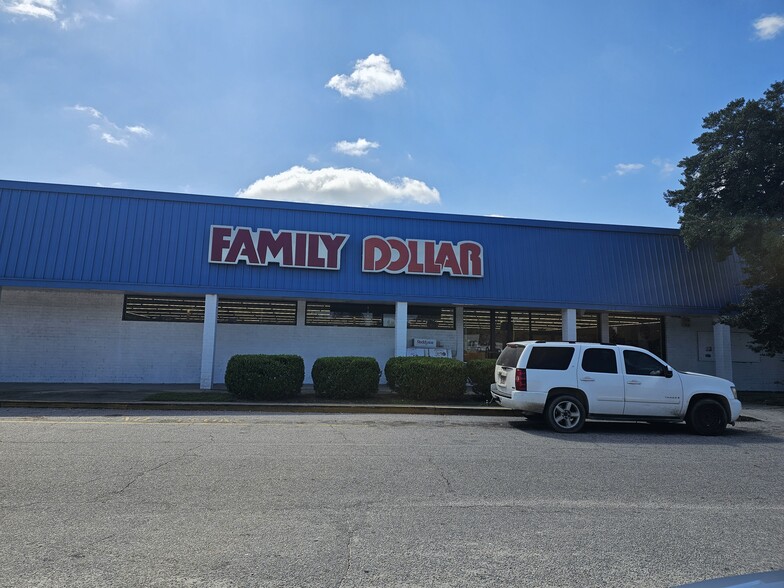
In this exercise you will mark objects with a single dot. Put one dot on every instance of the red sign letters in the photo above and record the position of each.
(418, 256)
(304, 249)
(286, 248)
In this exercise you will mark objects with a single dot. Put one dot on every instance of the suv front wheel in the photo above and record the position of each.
(707, 417)
(565, 413)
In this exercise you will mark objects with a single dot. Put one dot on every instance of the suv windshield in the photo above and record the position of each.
(510, 355)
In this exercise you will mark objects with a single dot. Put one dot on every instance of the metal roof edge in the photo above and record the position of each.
(168, 289)
(302, 206)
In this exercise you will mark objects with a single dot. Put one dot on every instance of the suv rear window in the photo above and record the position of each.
(510, 356)
(550, 358)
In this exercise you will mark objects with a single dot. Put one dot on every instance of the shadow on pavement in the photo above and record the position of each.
(645, 433)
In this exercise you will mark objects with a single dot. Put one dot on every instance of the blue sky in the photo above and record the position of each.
(573, 111)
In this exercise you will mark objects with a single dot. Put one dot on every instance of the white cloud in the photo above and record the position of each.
(139, 130)
(312, 158)
(371, 77)
(53, 10)
(344, 186)
(110, 132)
(627, 168)
(768, 27)
(356, 148)
(666, 167)
(112, 140)
(78, 19)
(89, 110)
(32, 8)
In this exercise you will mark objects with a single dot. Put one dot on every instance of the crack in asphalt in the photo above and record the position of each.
(137, 477)
(349, 538)
(442, 474)
(339, 432)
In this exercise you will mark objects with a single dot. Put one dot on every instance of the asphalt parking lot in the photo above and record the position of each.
(100, 498)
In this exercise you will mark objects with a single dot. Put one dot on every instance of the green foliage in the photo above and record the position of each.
(481, 373)
(732, 199)
(345, 377)
(391, 371)
(761, 312)
(265, 377)
(428, 378)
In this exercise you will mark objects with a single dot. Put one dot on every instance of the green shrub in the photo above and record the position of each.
(481, 373)
(265, 377)
(345, 377)
(391, 370)
(428, 378)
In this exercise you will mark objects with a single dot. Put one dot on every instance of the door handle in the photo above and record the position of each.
(635, 382)
(587, 379)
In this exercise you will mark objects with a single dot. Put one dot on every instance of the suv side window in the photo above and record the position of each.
(642, 364)
(550, 358)
(600, 361)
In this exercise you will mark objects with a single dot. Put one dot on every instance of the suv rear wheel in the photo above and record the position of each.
(565, 413)
(707, 417)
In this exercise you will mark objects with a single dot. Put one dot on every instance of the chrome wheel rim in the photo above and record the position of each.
(566, 414)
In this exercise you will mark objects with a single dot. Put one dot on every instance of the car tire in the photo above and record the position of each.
(565, 413)
(707, 417)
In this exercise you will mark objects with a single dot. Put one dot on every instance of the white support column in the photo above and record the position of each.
(459, 333)
(401, 328)
(604, 327)
(722, 350)
(208, 341)
(569, 324)
(301, 313)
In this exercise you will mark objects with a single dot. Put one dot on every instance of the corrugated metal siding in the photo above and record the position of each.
(62, 236)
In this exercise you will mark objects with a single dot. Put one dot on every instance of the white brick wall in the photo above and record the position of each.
(79, 336)
(765, 375)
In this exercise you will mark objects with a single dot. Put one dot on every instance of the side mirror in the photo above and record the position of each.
(667, 373)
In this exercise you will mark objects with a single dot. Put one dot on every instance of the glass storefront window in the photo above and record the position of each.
(588, 327)
(352, 314)
(546, 326)
(190, 309)
(476, 333)
(487, 331)
(638, 330)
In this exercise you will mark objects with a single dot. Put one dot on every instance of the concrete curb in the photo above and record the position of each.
(494, 411)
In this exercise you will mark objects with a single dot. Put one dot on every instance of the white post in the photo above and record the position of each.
(301, 309)
(569, 324)
(722, 350)
(208, 341)
(604, 327)
(401, 328)
(459, 333)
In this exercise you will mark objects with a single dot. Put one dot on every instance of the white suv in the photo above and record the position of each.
(569, 382)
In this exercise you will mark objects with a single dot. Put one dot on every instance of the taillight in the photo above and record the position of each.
(520, 381)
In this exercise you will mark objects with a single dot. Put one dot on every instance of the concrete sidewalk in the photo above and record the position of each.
(132, 397)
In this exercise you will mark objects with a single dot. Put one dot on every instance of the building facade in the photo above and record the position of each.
(105, 285)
